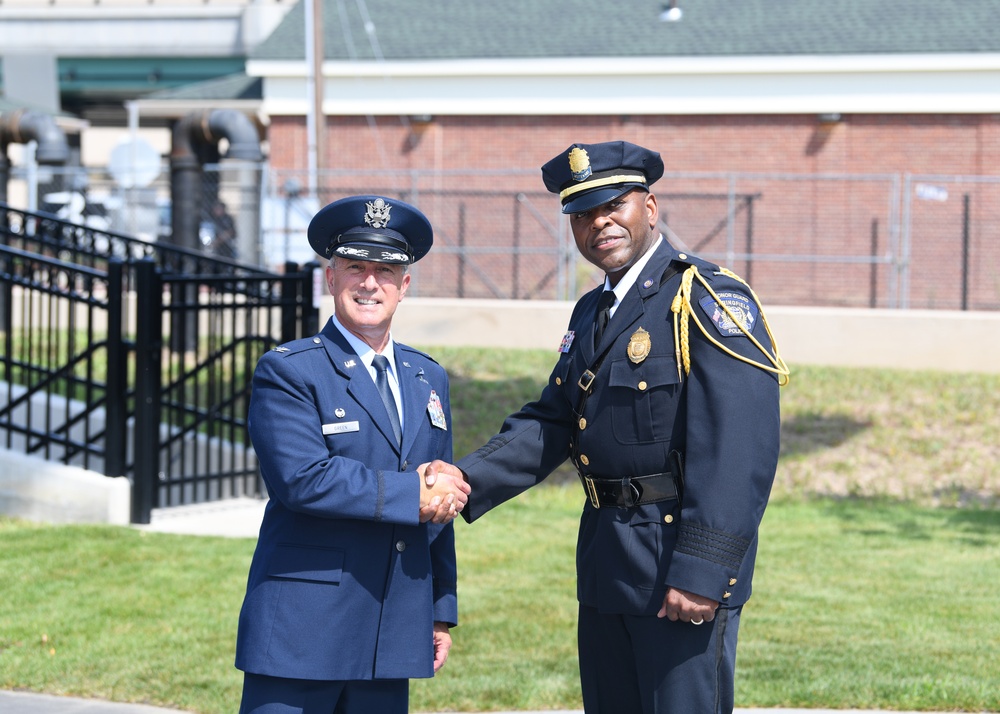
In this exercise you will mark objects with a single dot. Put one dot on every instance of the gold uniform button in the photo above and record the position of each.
(732, 581)
(583, 423)
(682, 256)
(726, 595)
(642, 386)
(558, 381)
(668, 518)
(584, 460)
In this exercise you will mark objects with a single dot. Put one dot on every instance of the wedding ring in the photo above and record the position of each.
(697, 622)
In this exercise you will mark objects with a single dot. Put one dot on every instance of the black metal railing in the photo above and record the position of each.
(134, 359)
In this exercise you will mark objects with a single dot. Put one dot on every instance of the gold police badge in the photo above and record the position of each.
(639, 345)
(579, 164)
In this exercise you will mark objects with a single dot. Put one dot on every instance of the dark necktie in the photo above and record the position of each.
(604, 304)
(381, 364)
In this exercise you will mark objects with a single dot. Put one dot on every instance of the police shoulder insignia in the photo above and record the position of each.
(639, 345)
(735, 314)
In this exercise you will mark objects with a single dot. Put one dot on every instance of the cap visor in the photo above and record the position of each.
(599, 196)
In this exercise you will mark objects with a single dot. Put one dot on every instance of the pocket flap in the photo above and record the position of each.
(296, 562)
(654, 371)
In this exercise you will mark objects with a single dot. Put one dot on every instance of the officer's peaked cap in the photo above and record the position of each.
(588, 175)
(371, 228)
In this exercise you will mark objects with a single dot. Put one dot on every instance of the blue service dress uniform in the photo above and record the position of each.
(345, 583)
(644, 415)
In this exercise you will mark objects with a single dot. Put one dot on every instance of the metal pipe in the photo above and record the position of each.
(22, 126)
(195, 139)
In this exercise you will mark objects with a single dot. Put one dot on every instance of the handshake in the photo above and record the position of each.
(443, 491)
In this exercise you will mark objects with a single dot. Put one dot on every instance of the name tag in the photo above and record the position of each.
(340, 427)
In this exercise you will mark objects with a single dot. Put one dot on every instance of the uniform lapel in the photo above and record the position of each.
(632, 307)
(416, 391)
(360, 384)
(584, 337)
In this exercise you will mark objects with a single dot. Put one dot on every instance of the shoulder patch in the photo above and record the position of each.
(741, 315)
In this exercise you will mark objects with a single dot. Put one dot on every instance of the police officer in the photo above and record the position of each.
(351, 591)
(665, 398)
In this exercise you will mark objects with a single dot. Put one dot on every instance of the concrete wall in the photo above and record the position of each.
(912, 339)
(905, 339)
(40, 490)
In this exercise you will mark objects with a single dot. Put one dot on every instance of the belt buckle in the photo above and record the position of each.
(591, 489)
(589, 377)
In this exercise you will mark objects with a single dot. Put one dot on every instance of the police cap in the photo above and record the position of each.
(371, 228)
(588, 175)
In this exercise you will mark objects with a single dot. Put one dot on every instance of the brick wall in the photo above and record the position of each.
(778, 215)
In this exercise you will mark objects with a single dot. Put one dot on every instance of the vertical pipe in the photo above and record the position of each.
(965, 252)
(461, 250)
(515, 288)
(749, 201)
(312, 121)
(873, 278)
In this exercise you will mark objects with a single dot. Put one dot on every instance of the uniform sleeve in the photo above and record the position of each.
(295, 461)
(444, 569)
(531, 444)
(732, 426)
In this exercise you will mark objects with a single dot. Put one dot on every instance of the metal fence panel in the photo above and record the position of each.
(131, 358)
(850, 240)
(951, 246)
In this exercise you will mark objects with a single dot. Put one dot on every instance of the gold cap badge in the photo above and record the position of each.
(579, 164)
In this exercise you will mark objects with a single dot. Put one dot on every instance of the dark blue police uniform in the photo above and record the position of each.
(675, 433)
(345, 583)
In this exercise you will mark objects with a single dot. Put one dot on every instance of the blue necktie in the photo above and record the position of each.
(381, 364)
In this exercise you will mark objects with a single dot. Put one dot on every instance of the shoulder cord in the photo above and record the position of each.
(682, 308)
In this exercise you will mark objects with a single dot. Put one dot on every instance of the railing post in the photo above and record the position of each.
(291, 298)
(310, 308)
(148, 351)
(117, 380)
(299, 312)
(6, 290)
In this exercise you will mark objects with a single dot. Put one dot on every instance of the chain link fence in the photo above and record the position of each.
(834, 240)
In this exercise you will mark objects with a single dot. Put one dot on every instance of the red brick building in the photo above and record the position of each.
(836, 153)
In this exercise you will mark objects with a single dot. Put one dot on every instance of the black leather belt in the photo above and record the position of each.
(629, 491)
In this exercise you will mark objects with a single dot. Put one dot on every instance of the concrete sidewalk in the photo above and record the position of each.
(233, 518)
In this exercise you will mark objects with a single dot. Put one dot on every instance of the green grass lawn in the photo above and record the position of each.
(856, 605)
(875, 582)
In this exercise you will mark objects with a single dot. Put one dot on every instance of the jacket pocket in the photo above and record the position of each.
(296, 562)
(651, 541)
(643, 399)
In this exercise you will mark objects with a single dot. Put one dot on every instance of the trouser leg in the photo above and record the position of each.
(654, 666)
